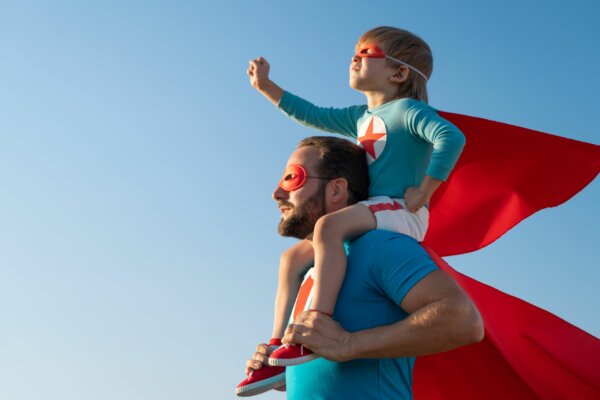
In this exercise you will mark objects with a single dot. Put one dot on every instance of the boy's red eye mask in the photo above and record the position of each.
(373, 51)
(370, 51)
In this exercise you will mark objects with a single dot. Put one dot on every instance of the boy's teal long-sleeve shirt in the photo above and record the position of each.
(404, 139)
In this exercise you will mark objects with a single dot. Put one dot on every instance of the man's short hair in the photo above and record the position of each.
(340, 158)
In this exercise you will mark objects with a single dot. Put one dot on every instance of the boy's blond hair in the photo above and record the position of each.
(406, 47)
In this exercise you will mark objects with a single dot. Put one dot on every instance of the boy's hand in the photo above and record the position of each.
(259, 79)
(259, 73)
(415, 198)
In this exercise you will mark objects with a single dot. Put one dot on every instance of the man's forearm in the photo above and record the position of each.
(437, 327)
(441, 318)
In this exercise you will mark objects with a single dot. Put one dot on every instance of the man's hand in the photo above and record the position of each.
(259, 79)
(321, 334)
(259, 358)
(415, 198)
(441, 318)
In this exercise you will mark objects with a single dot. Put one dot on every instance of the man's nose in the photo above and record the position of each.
(279, 194)
(356, 59)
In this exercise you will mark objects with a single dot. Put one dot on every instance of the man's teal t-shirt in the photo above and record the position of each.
(382, 268)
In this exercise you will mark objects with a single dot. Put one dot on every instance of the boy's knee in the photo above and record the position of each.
(296, 259)
(286, 258)
(287, 269)
(326, 228)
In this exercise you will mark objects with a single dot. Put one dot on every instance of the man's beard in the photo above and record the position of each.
(303, 217)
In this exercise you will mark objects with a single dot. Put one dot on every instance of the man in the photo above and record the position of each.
(394, 305)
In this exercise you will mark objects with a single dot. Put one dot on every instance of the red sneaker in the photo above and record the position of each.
(291, 354)
(261, 380)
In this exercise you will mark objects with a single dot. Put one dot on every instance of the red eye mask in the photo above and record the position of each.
(375, 52)
(294, 177)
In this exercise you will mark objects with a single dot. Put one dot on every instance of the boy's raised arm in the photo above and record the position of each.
(259, 79)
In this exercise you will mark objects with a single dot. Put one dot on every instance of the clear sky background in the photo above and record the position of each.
(138, 249)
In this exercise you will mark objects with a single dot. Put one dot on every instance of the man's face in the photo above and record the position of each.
(301, 208)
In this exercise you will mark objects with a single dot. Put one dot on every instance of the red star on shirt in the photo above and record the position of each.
(368, 140)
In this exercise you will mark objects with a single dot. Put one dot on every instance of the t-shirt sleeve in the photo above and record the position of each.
(328, 119)
(448, 141)
(401, 264)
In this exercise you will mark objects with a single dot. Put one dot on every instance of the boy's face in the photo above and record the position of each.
(369, 70)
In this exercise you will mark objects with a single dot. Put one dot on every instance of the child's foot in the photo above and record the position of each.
(291, 354)
(261, 380)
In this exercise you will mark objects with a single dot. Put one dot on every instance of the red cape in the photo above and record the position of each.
(505, 174)
(527, 353)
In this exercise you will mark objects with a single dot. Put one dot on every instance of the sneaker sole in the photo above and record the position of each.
(262, 386)
(289, 362)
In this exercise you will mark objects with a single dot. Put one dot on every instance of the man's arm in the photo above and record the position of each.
(442, 317)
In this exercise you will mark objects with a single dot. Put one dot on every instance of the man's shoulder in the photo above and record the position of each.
(388, 264)
(386, 244)
(383, 238)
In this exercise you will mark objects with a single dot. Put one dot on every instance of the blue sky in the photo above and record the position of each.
(139, 252)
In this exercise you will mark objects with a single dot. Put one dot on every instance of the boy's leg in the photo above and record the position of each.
(330, 256)
(293, 263)
(393, 215)
(261, 377)
(330, 267)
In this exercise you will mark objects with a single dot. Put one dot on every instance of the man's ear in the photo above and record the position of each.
(401, 75)
(337, 191)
